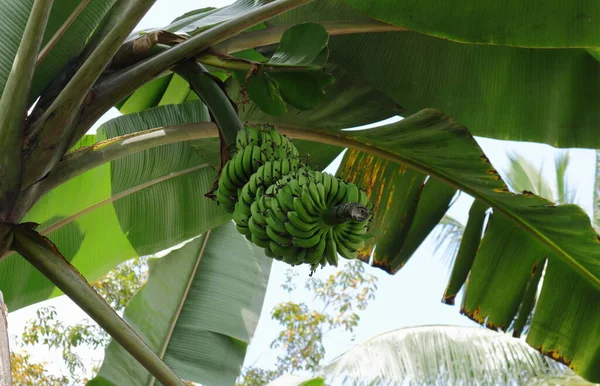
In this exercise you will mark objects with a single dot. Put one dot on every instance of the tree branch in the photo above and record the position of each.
(45, 257)
(13, 107)
(116, 87)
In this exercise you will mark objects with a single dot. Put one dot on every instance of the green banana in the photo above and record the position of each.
(276, 211)
(257, 214)
(352, 193)
(316, 198)
(228, 203)
(225, 182)
(301, 211)
(343, 250)
(331, 250)
(275, 224)
(283, 251)
(340, 194)
(253, 136)
(261, 242)
(238, 166)
(276, 237)
(247, 161)
(348, 241)
(333, 189)
(315, 254)
(301, 224)
(308, 202)
(243, 230)
(241, 140)
(285, 198)
(363, 200)
(353, 238)
(271, 254)
(256, 229)
(280, 204)
(296, 232)
(308, 242)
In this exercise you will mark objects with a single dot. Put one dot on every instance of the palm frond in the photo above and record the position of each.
(432, 355)
(447, 236)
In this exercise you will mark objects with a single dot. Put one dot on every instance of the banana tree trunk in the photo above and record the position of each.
(5, 377)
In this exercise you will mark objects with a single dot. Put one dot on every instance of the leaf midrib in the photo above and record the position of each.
(67, 220)
(344, 141)
(192, 275)
(340, 140)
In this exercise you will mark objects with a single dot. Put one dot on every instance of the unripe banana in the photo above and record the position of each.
(301, 211)
(278, 238)
(342, 249)
(308, 242)
(275, 224)
(315, 254)
(352, 193)
(298, 215)
(331, 249)
(301, 224)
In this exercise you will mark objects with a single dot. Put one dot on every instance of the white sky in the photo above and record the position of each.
(411, 297)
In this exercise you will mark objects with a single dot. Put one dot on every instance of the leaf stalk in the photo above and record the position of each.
(45, 257)
(214, 97)
(51, 134)
(116, 87)
(13, 107)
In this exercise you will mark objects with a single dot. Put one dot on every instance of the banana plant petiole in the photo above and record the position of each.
(45, 257)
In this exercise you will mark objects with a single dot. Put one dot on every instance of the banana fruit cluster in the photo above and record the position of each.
(298, 215)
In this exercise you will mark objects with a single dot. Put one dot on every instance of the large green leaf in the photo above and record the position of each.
(504, 275)
(198, 310)
(527, 23)
(348, 102)
(434, 144)
(13, 16)
(502, 288)
(539, 95)
(406, 208)
(434, 355)
(136, 205)
(72, 41)
(596, 202)
(197, 21)
(302, 45)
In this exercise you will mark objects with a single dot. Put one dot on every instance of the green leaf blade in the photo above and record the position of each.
(141, 203)
(551, 24)
(476, 84)
(203, 298)
(302, 45)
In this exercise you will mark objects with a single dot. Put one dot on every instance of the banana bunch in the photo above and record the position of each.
(296, 214)
(309, 217)
(255, 146)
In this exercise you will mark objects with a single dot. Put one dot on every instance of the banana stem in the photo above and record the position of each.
(349, 211)
(214, 97)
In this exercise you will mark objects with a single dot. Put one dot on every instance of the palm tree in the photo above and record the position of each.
(441, 355)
